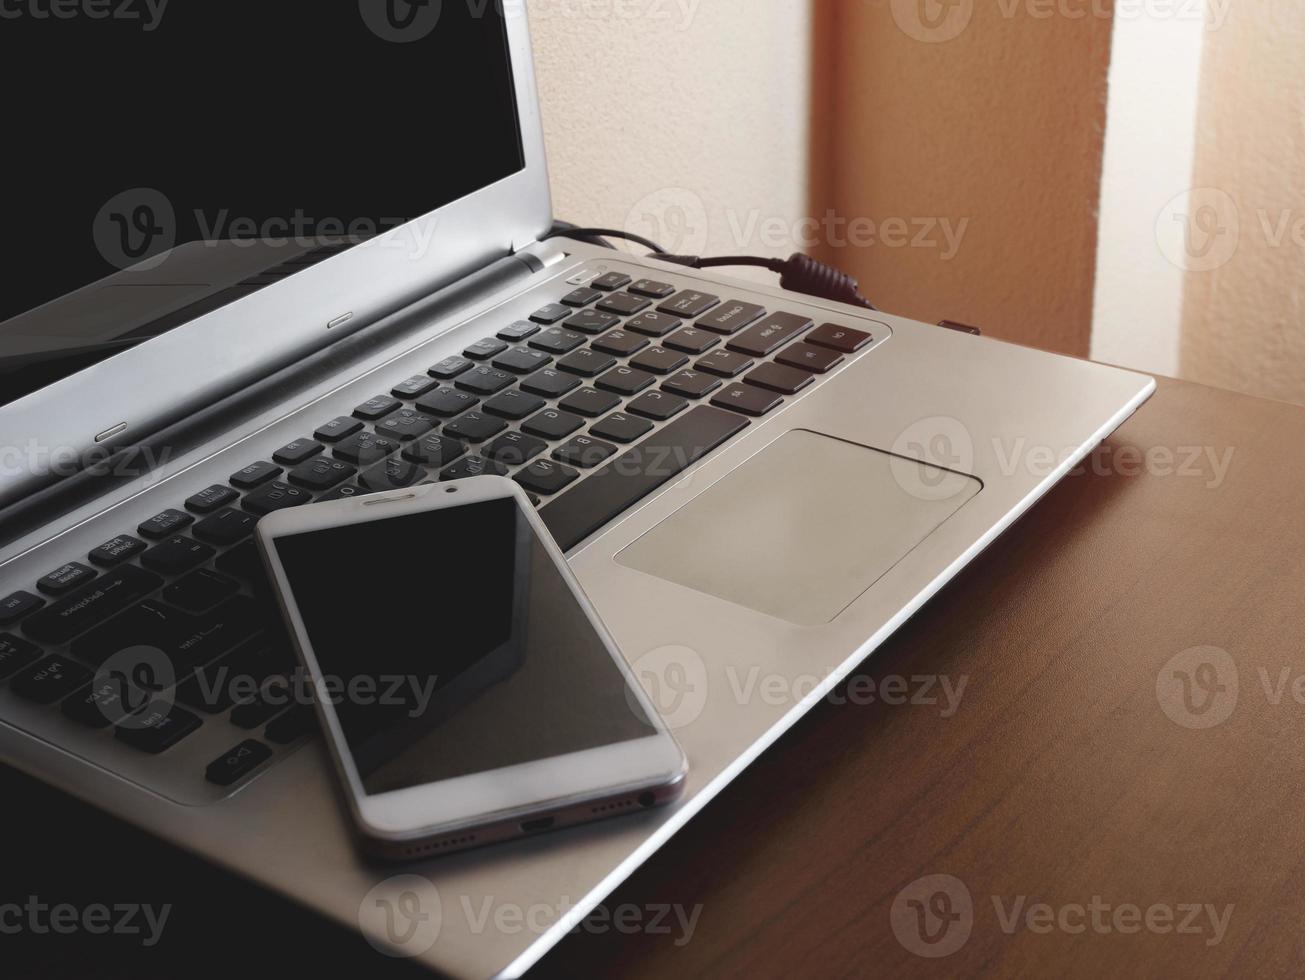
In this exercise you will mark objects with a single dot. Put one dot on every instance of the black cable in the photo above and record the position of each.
(799, 273)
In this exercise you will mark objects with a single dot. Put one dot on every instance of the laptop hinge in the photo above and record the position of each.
(535, 260)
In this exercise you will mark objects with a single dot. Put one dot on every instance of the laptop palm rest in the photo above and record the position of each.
(803, 527)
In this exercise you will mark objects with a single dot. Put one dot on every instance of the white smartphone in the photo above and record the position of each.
(467, 689)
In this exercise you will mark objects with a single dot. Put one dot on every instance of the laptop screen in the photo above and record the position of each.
(167, 157)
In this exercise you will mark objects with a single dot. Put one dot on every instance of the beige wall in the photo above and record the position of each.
(990, 119)
(1243, 324)
(685, 120)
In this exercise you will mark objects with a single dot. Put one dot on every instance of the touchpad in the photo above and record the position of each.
(802, 528)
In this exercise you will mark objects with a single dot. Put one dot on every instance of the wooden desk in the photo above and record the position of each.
(1060, 777)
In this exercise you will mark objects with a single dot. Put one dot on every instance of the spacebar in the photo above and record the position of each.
(626, 479)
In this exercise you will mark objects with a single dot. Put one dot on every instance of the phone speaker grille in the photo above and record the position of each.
(438, 845)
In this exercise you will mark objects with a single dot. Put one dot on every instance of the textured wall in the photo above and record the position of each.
(987, 116)
(1243, 323)
(685, 120)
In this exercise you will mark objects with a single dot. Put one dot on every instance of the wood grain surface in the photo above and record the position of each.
(1095, 816)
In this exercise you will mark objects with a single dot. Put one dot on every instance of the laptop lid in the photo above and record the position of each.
(199, 193)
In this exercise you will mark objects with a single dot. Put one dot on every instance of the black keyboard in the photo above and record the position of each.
(591, 404)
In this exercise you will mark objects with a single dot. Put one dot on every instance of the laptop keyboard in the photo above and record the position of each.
(591, 402)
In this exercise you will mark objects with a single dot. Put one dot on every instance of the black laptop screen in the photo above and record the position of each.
(166, 157)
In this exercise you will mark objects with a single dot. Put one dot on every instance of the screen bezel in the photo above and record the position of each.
(495, 794)
(311, 309)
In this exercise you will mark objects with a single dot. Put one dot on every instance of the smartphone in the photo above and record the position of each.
(467, 689)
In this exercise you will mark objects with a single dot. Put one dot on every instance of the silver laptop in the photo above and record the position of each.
(786, 480)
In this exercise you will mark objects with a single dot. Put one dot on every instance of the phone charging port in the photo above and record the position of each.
(536, 825)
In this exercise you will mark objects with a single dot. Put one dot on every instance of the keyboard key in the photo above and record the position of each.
(274, 496)
(624, 381)
(589, 402)
(484, 381)
(725, 363)
(108, 595)
(624, 304)
(691, 384)
(581, 296)
(158, 727)
(199, 591)
(550, 383)
(117, 550)
(747, 399)
(472, 466)
(337, 429)
(393, 474)
(376, 408)
(652, 288)
(518, 330)
(550, 313)
(584, 451)
(552, 424)
(544, 476)
(243, 562)
(317, 475)
(341, 493)
(731, 317)
(16, 605)
(178, 554)
(414, 387)
(15, 654)
(147, 624)
(253, 475)
(620, 342)
(48, 680)
(557, 340)
(483, 350)
(770, 334)
(226, 527)
(447, 402)
(809, 358)
(691, 341)
(294, 724)
(237, 763)
(659, 360)
(450, 367)
(845, 340)
(514, 448)
(434, 450)
(610, 281)
(406, 424)
(522, 360)
(65, 578)
(272, 699)
(219, 494)
(475, 427)
(658, 405)
(592, 321)
(365, 448)
(689, 304)
(628, 478)
(514, 404)
(215, 633)
(777, 377)
(172, 521)
(620, 427)
(210, 688)
(654, 324)
(97, 704)
(586, 362)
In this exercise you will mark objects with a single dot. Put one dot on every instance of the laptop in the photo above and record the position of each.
(754, 487)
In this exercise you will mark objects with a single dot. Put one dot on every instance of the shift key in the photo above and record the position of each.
(770, 334)
(91, 604)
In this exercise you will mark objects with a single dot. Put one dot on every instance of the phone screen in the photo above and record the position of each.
(450, 644)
